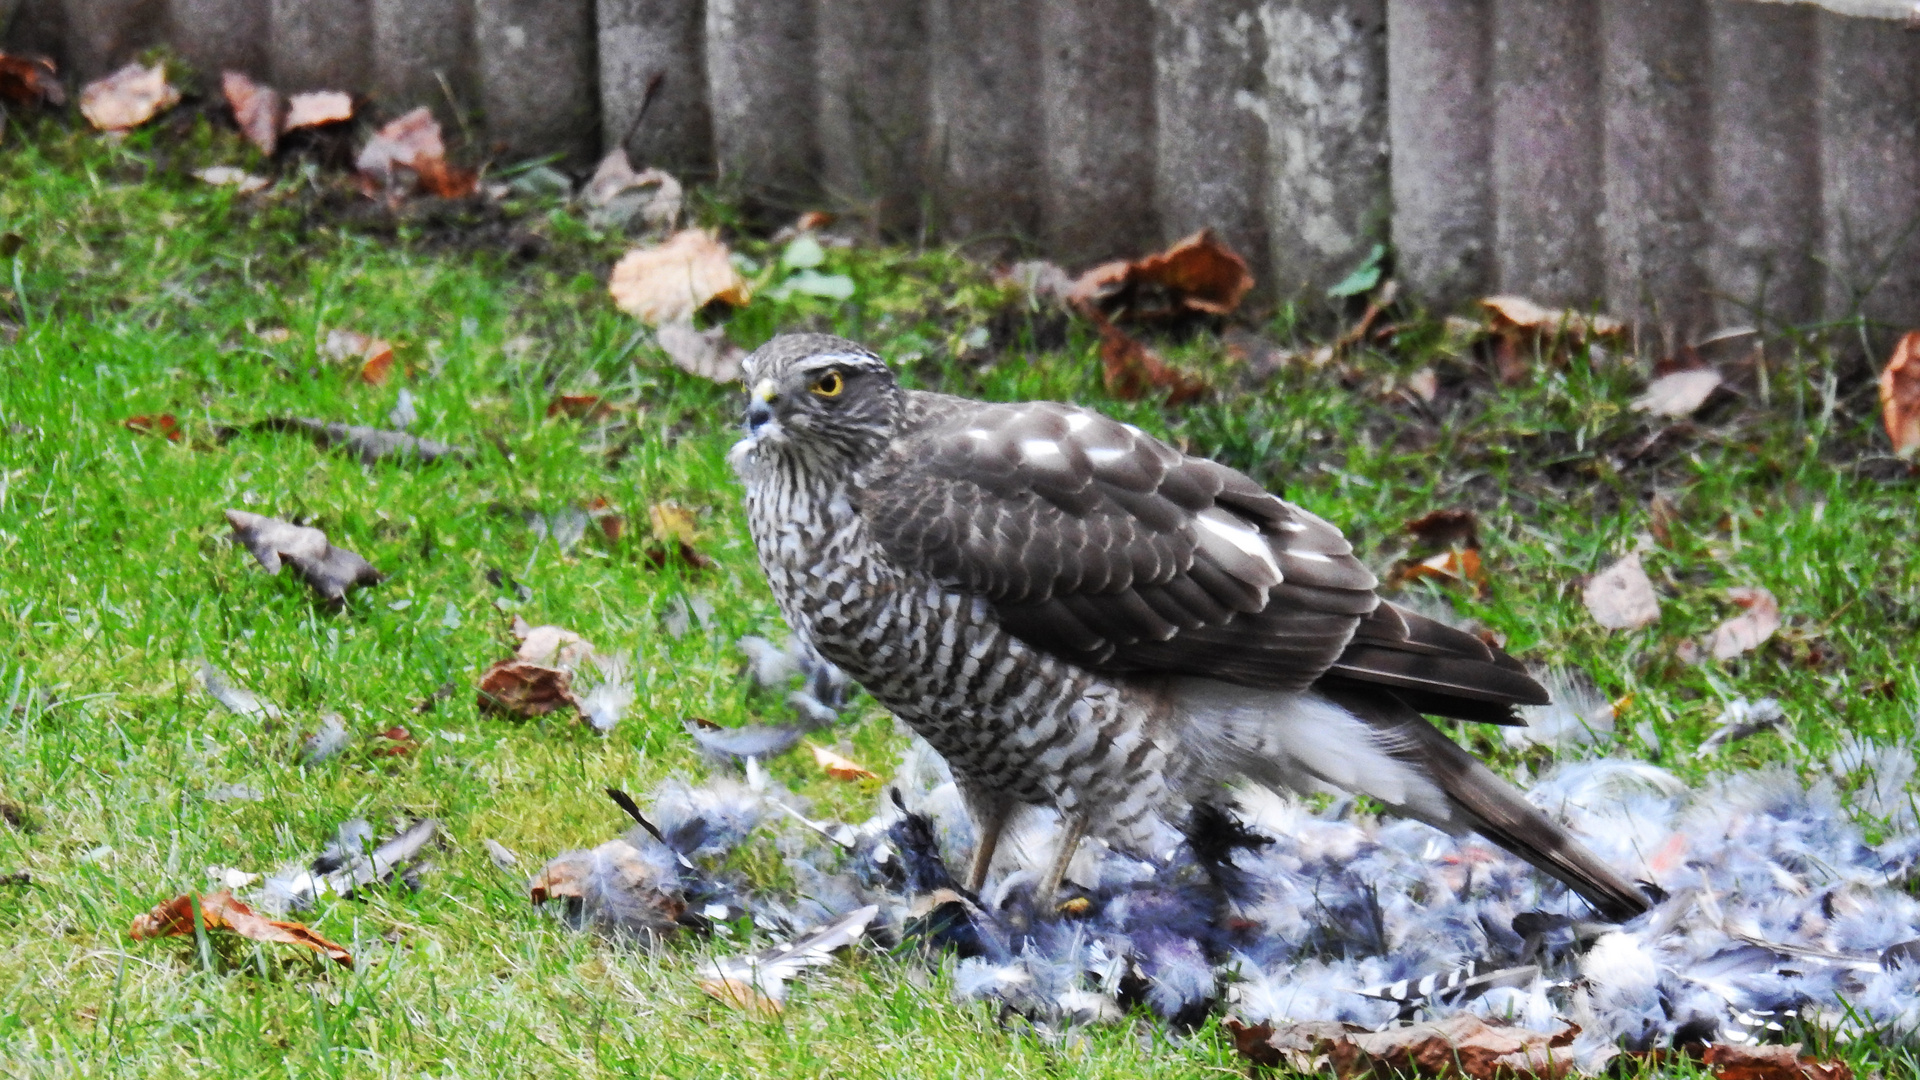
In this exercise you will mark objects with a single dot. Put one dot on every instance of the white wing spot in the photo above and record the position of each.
(1105, 455)
(1309, 556)
(1034, 449)
(1077, 421)
(979, 433)
(1241, 535)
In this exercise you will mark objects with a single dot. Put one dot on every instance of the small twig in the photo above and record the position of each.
(646, 101)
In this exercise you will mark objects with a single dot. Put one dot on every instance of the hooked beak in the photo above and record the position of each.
(760, 405)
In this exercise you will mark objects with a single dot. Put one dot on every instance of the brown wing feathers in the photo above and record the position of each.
(1099, 543)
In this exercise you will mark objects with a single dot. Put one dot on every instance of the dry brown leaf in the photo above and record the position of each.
(1519, 313)
(127, 98)
(671, 521)
(668, 282)
(408, 151)
(1447, 528)
(1133, 371)
(29, 81)
(1198, 275)
(378, 365)
(839, 767)
(517, 688)
(375, 355)
(614, 887)
(550, 646)
(328, 570)
(161, 424)
(1749, 630)
(706, 353)
(317, 107)
(1680, 393)
(661, 556)
(589, 407)
(1463, 1045)
(394, 742)
(220, 911)
(1771, 1063)
(257, 109)
(1621, 597)
(1455, 566)
(1900, 395)
(616, 195)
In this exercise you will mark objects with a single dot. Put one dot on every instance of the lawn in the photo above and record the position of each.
(134, 289)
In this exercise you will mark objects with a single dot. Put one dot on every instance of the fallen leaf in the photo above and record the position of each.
(660, 556)
(29, 81)
(1132, 371)
(616, 196)
(220, 911)
(257, 109)
(1461, 1045)
(161, 424)
(1519, 313)
(408, 152)
(589, 407)
(1749, 630)
(669, 282)
(329, 570)
(706, 353)
(374, 355)
(1424, 384)
(228, 176)
(1900, 396)
(127, 98)
(517, 688)
(1771, 1063)
(1454, 566)
(1198, 275)
(838, 767)
(1621, 597)
(671, 521)
(315, 108)
(613, 524)
(378, 366)
(367, 443)
(394, 742)
(758, 982)
(1446, 528)
(812, 220)
(550, 646)
(1679, 394)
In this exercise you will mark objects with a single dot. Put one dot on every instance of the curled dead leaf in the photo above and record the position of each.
(1462, 1045)
(409, 152)
(1750, 629)
(328, 570)
(220, 911)
(742, 995)
(706, 353)
(1460, 565)
(1132, 371)
(1520, 313)
(838, 766)
(516, 688)
(316, 108)
(127, 98)
(257, 109)
(1198, 275)
(162, 424)
(1900, 396)
(589, 407)
(29, 81)
(671, 521)
(669, 282)
(1680, 393)
(1446, 528)
(1621, 597)
(1771, 1063)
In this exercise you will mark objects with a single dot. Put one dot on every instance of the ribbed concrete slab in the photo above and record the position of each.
(423, 55)
(1547, 151)
(539, 77)
(1326, 111)
(221, 35)
(104, 34)
(320, 44)
(1869, 82)
(1210, 135)
(1096, 119)
(984, 134)
(1763, 211)
(762, 85)
(1440, 122)
(638, 41)
(872, 57)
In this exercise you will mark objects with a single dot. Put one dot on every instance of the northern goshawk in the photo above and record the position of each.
(1077, 615)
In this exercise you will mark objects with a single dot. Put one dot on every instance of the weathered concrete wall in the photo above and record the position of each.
(1684, 163)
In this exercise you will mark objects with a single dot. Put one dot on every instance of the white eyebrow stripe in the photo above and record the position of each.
(1242, 536)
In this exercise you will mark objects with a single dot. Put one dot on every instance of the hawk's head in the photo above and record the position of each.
(820, 400)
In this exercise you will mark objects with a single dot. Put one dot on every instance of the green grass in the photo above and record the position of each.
(136, 289)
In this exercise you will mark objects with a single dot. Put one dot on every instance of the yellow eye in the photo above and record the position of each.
(830, 385)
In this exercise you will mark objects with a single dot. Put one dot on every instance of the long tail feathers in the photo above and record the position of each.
(1492, 807)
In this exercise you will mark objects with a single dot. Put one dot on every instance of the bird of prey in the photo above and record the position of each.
(1079, 616)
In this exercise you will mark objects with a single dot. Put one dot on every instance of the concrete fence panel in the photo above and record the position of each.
(1682, 163)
